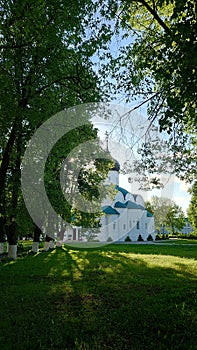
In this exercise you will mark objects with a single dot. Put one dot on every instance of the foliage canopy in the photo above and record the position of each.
(157, 65)
(45, 66)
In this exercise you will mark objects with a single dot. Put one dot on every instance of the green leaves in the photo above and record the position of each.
(192, 210)
(166, 213)
(161, 57)
(46, 48)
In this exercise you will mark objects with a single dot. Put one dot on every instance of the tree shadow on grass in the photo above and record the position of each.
(122, 303)
(101, 299)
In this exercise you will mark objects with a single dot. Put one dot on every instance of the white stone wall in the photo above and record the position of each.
(130, 222)
(113, 177)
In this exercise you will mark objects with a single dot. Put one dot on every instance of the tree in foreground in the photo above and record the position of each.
(45, 66)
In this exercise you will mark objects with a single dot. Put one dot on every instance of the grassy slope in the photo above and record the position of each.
(115, 297)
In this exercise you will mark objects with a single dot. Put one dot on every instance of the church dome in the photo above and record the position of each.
(116, 166)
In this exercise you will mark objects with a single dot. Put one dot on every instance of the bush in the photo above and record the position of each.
(157, 237)
(127, 239)
(109, 239)
(189, 236)
(20, 247)
(149, 238)
(164, 236)
(140, 239)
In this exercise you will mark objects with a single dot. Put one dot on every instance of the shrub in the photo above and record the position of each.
(149, 238)
(165, 236)
(127, 239)
(20, 246)
(187, 236)
(109, 239)
(140, 239)
(157, 237)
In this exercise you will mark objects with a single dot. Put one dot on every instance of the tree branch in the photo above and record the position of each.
(57, 81)
(156, 16)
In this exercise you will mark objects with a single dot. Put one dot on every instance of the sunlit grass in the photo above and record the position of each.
(113, 297)
(178, 241)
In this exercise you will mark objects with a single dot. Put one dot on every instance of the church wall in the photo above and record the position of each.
(113, 177)
(138, 224)
(109, 227)
(130, 222)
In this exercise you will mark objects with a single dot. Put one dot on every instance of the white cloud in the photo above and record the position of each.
(182, 201)
(184, 186)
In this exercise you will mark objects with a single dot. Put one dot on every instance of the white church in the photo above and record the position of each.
(124, 218)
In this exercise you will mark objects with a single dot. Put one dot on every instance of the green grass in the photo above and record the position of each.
(114, 297)
(178, 241)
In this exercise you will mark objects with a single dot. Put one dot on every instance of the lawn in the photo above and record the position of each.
(114, 297)
(178, 241)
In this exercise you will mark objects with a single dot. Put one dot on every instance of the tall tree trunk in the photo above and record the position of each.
(11, 231)
(2, 234)
(47, 243)
(60, 235)
(36, 239)
(6, 158)
(16, 175)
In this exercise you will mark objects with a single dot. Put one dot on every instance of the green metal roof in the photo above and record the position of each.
(122, 190)
(110, 211)
(148, 214)
(132, 205)
(140, 206)
(120, 205)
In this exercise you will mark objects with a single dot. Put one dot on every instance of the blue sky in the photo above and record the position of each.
(174, 189)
